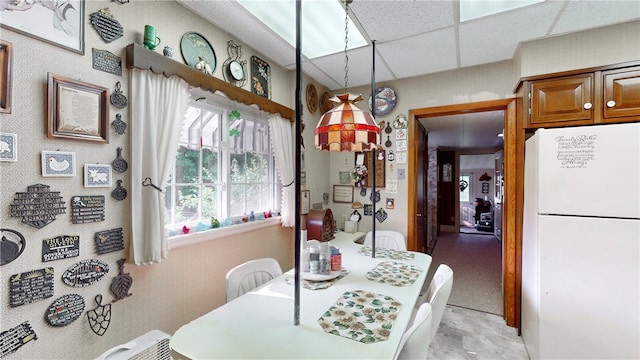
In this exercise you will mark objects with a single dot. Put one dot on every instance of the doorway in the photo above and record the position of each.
(509, 217)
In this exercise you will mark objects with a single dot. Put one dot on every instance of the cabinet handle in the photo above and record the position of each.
(611, 103)
(418, 215)
(588, 106)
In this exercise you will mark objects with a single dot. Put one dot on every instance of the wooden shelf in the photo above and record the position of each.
(137, 56)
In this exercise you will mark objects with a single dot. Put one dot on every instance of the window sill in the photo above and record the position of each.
(196, 238)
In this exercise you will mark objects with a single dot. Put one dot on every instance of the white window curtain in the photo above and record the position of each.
(157, 112)
(282, 142)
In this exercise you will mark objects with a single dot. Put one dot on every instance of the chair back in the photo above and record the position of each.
(387, 239)
(413, 345)
(438, 294)
(251, 274)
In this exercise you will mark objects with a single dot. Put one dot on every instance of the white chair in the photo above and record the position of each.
(387, 239)
(437, 295)
(249, 275)
(413, 345)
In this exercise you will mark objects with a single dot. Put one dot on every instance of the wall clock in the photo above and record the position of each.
(385, 100)
(234, 68)
(312, 98)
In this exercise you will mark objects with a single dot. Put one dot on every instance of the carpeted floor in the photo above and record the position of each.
(476, 261)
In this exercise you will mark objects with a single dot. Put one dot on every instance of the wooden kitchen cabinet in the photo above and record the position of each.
(621, 94)
(609, 94)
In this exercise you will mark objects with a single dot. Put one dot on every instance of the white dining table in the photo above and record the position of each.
(260, 324)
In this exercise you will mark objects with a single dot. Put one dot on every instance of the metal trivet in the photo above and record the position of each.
(119, 163)
(117, 98)
(12, 247)
(118, 125)
(100, 317)
(119, 193)
(65, 310)
(106, 25)
(121, 283)
(38, 206)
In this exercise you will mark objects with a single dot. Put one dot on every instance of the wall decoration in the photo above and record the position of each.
(97, 175)
(196, 49)
(58, 163)
(106, 25)
(400, 122)
(122, 283)
(381, 215)
(60, 247)
(119, 193)
(368, 209)
(377, 196)
(109, 241)
(312, 98)
(401, 134)
(117, 98)
(343, 194)
(8, 147)
(345, 177)
(391, 187)
(58, 23)
(260, 77)
(38, 206)
(11, 246)
(325, 102)
(87, 209)
(65, 310)
(305, 199)
(390, 203)
(401, 174)
(401, 157)
(85, 273)
(401, 145)
(485, 187)
(65, 97)
(100, 317)
(14, 338)
(385, 100)
(235, 69)
(6, 73)
(118, 125)
(167, 51)
(29, 287)
(391, 156)
(366, 158)
(106, 61)
(119, 163)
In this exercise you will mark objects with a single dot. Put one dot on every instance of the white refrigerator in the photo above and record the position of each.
(581, 243)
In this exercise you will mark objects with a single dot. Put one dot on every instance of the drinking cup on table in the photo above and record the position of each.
(150, 38)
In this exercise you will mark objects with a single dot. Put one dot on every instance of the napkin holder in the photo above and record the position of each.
(350, 226)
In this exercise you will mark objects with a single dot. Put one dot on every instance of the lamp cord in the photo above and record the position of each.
(346, 42)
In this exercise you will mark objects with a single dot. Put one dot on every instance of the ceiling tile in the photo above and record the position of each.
(579, 15)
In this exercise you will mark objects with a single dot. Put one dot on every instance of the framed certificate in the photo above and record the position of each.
(343, 194)
(305, 201)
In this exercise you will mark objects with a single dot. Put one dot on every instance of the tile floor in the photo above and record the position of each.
(472, 334)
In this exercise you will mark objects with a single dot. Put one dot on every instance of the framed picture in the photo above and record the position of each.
(58, 163)
(260, 77)
(60, 23)
(6, 62)
(8, 147)
(343, 194)
(77, 110)
(97, 175)
(367, 158)
(305, 201)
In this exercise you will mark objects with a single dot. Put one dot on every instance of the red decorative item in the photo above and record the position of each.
(485, 177)
(185, 229)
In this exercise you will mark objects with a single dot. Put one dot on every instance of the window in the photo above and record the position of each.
(223, 168)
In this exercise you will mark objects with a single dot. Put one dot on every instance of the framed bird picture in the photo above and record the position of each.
(58, 163)
(77, 110)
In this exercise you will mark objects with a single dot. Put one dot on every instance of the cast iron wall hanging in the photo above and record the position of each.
(38, 206)
(119, 163)
(117, 98)
(87, 209)
(109, 241)
(106, 25)
(14, 338)
(65, 310)
(381, 215)
(100, 317)
(106, 61)
(29, 287)
(60, 247)
(11, 246)
(85, 273)
(118, 125)
(122, 283)
(260, 77)
(119, 193)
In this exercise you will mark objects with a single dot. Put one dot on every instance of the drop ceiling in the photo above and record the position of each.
(419, 37)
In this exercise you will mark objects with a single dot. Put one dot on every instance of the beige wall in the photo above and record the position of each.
(166, 295)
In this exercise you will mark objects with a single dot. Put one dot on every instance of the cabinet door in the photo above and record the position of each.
(621, 94)
(564, 100)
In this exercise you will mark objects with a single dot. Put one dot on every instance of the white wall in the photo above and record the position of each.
(165, 296)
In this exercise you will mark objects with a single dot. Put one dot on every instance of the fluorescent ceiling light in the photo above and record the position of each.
(322, 24)
(473, 9)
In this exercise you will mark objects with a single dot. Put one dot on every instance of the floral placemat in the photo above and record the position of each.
(387, 253)
(394, 273)
(362, 316)
(318, 285)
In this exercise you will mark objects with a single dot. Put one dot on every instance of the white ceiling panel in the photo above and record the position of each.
(591, 14)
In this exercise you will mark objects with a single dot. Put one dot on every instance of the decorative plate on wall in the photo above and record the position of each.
(194, 45)
(385, 100)
(312, 98)
(260, 77)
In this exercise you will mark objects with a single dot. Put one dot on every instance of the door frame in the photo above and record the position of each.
(511, 245)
